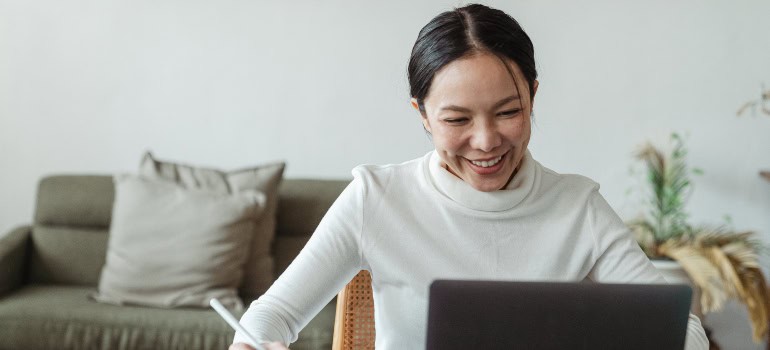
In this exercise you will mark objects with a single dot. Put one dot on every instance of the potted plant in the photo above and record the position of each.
(719, 262)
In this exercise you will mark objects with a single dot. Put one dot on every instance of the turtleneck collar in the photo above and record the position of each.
(463, 194)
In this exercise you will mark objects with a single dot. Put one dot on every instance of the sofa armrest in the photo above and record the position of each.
(13, 256)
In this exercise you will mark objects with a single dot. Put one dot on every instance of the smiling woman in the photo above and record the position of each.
(475, 94)
(478, 120)
(477, 207)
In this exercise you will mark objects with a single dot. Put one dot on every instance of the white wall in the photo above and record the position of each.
(87, 86)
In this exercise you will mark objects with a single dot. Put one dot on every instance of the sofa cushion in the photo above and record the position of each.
(259, 267)
(62, 317)
(171, 247)
(303, 203)
(69, 236)
(74, 200)
(67, 255)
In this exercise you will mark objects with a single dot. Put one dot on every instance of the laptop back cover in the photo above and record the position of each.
(548, 315)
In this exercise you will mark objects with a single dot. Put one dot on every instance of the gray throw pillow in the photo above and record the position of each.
(259, 267)
(171, 247)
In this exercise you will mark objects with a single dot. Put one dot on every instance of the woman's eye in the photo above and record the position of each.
(456, 121)
(510, 112)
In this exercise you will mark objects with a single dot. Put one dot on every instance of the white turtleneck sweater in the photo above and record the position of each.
(415, 222)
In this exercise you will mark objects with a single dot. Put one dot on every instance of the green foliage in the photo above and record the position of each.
(670, 187)
(668, 177)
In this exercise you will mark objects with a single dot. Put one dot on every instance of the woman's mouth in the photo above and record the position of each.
(487, 166)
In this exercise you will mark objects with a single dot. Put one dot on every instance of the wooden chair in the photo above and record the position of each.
(354, 320)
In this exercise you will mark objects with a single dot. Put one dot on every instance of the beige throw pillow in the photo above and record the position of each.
(172, 247)
(259, 267)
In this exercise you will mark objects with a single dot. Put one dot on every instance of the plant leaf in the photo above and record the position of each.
(702, 272)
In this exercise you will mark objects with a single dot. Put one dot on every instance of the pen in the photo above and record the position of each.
(230, 319)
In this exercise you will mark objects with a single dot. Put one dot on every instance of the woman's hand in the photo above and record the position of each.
(267, 346)
(240, 346)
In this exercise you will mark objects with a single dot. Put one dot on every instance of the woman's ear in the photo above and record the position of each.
(416, 106)
(532, 98)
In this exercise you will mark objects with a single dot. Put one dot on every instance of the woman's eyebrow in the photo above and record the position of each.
(504, 101)
(497, 105)
(454, 108)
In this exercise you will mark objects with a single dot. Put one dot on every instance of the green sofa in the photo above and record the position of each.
(48, 269)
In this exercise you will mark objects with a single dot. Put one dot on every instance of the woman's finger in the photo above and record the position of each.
(240, 346)
(275, 346)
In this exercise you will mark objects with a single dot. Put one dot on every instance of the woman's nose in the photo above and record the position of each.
(486, 137)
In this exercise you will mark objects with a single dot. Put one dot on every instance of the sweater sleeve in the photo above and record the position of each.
(619, 259)
(327, 263)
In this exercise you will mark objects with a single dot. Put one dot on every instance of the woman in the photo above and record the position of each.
(478, 207)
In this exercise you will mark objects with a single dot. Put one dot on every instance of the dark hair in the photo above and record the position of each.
(465, 31)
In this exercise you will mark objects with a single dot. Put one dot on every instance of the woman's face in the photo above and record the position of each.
(479, 117)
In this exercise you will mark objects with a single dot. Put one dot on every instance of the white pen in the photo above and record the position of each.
(230, 319)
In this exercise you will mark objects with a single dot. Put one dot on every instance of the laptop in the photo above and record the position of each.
(555, 315)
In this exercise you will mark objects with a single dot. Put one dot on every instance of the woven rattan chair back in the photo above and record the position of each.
(354, 322)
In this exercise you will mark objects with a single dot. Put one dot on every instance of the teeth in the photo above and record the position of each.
(487, 164)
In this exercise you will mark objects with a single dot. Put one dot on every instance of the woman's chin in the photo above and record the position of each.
(488, 185)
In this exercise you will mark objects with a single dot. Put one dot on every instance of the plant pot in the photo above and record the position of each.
(673, 272)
